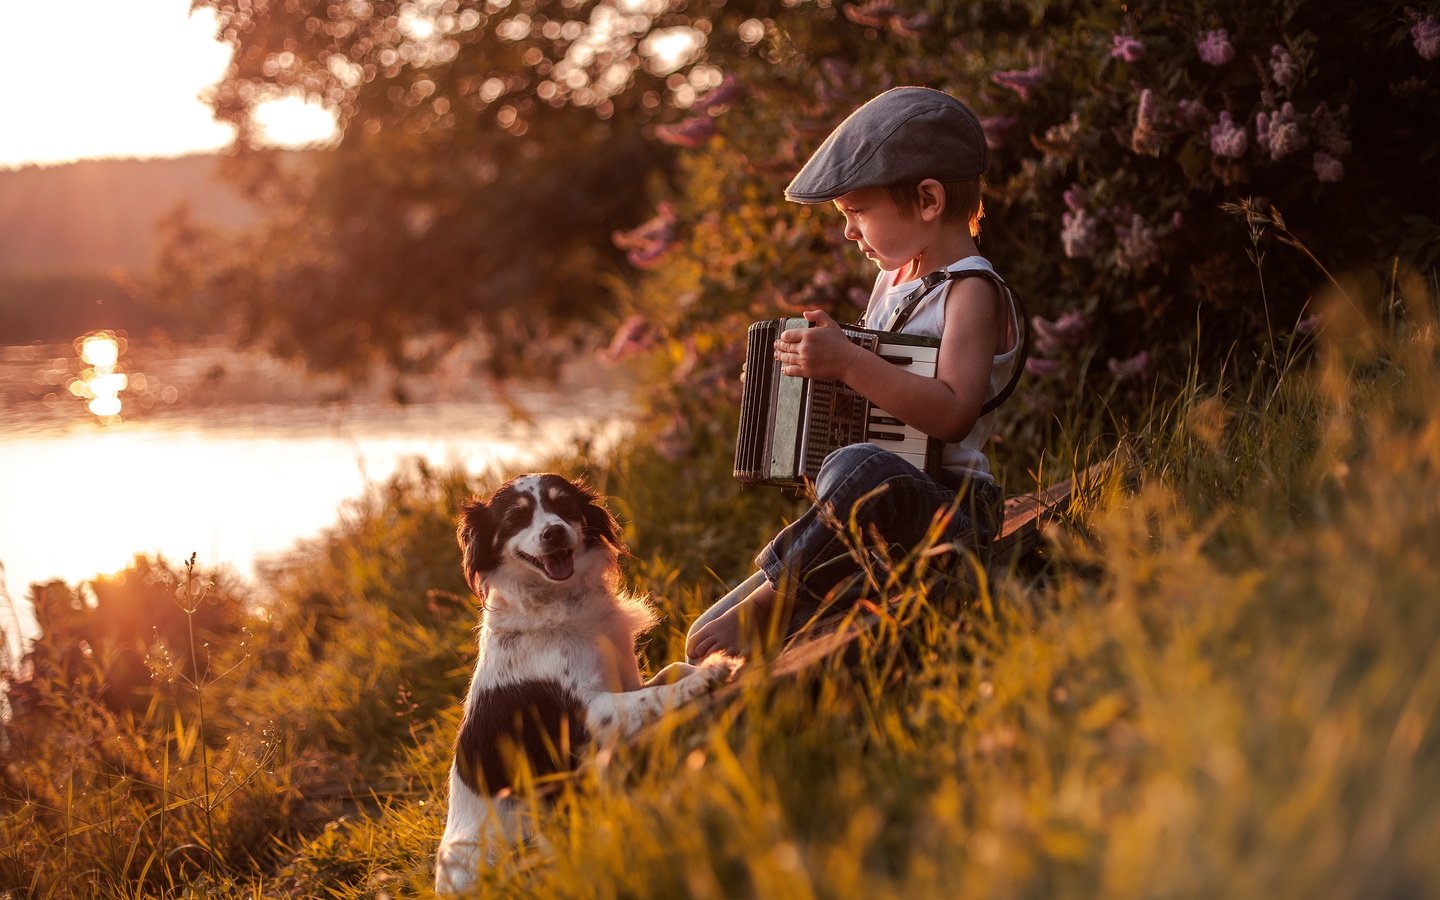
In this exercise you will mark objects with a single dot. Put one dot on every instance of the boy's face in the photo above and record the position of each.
(885, 233)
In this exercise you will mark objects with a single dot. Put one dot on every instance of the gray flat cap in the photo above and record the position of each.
(905, 134)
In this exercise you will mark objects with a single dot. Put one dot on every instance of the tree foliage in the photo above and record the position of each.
(487, 151)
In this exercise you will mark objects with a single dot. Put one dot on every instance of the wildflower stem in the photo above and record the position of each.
(199, 684)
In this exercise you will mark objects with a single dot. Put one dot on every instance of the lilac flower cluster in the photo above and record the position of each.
(645, 244)
(1283, 67)
(1079, 230)
(1146, 138)
(1327, 168)
(1126, 48)
(1021, 81)
(1227, 139)
(728, 91)
(1136, 366)
(996, 129)
(1424, 34)
(886, 15)
(1280, 134)
(1069, 330)
(1215, 48)
(1054, 337)
(1192, 112)
(690, 132)
(1135, 244)
(633, 336)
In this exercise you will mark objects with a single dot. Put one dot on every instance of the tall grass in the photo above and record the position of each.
(1222, 682)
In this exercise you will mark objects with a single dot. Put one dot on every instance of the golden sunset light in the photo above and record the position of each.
(97, 79)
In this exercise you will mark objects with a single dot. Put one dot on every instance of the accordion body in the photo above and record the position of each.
(789, 424)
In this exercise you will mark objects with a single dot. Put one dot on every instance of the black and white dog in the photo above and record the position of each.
(557, 668)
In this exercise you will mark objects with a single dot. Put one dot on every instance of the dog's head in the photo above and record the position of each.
(540, 528)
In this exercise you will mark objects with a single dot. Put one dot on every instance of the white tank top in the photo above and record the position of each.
(966, 458)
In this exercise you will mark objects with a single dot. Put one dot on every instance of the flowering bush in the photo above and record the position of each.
(1115, 137)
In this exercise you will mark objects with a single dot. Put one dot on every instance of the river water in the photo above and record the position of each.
(235, 455)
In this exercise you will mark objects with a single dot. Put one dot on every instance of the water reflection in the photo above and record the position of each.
(100, 384)
(250, 459)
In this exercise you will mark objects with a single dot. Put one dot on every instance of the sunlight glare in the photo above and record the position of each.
(670, 48)
(101, 384)
(293, 121)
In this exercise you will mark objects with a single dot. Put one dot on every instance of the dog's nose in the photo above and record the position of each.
(552, 535)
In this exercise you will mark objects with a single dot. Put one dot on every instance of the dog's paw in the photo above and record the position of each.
(718, 668)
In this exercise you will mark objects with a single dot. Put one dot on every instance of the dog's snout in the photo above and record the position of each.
(553, 535)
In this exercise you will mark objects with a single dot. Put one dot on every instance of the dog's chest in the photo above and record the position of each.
(585, 661)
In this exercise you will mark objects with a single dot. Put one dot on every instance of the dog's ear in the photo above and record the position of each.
(599, 524)
(476, 535)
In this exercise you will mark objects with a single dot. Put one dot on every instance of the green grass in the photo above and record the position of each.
(1222, 682)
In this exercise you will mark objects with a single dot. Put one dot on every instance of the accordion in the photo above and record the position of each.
(789, 424)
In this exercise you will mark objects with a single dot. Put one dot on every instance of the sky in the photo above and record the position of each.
(86, 79)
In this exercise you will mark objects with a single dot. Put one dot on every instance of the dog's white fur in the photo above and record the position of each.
(578, 632)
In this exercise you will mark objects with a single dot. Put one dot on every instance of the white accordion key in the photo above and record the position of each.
(884, 430)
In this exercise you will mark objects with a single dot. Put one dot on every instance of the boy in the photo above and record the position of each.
(905, 171)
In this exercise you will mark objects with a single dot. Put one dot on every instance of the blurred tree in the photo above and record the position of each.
(487, 151)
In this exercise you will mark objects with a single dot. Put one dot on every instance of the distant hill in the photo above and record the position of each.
(98, 214)
(77, 240)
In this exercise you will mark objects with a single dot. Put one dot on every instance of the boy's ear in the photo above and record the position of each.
(476, 535)
(930, 197)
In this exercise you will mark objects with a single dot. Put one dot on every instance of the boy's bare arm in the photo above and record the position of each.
(944, 407)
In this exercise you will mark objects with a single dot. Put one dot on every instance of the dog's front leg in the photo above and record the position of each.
(672, 673)
(477, 829)
(619, 715)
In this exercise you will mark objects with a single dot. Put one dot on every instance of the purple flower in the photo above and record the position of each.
(1134, 367)
(727, 91)
(1328, 168)
(1021, 81)
(1192, 112)
(1079, 233)
(1043, 368)
(646, 243)
(633, 336)
(1425, 34)
(1145, 139)
(1069, 330)
(1126, 48)
(1228, 140)
(1280, 134)
(1309, 325)
(1135, 243)
(883, 14)
(1215, 48)
(1075, 197)
(996, 127)
(691, 132)
(1283, 67)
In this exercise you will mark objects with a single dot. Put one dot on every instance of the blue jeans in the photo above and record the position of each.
(812, 556)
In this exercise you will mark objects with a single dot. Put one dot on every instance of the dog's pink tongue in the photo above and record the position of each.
(560, 566)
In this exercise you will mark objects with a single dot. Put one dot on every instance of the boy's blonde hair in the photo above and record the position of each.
(963, 201)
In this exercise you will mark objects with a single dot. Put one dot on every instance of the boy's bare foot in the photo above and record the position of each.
(736, 630)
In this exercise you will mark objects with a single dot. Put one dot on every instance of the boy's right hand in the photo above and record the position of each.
(820, 351)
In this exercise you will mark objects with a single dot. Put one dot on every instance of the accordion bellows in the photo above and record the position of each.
(788, 424)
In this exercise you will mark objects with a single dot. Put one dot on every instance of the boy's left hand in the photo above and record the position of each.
(820, 351)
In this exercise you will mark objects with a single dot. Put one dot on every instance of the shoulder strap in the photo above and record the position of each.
(929, 282)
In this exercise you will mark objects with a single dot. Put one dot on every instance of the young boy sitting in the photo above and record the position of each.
(905, 171)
